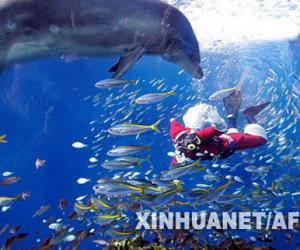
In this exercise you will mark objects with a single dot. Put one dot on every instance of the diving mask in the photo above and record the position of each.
(189, 141)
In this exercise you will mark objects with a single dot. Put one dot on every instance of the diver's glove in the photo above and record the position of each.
(180, 157)
(215, 119)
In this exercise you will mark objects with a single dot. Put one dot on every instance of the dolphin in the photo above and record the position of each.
(36, 29)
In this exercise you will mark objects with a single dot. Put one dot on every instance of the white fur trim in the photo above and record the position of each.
(180, 134)
(255, 129)
(232, 130)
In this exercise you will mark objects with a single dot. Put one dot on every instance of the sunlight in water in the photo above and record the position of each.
(220, 23)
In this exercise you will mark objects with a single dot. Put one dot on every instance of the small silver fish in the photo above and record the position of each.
(78, 145)
(162, 198)
(221, 94)
(136, 160)
(7, 173)
(180, 170)
(126, 150)
(114, 165)
(113, 83)
(121, 234)
(41, 210)
(258, 170)
(212, 177)
(132, 129)
(69, 238)
(153, 97)
(117, 188)
(106, 219)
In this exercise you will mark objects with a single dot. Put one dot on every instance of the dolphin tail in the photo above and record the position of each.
(126, 62)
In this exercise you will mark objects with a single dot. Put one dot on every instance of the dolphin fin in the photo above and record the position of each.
(115, 67)
(126, 62)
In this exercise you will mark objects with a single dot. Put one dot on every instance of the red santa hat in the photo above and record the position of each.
(177, 130)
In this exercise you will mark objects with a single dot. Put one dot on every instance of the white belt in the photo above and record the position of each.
(227, 137)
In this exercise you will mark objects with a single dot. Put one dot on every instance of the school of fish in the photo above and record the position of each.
(129, 179)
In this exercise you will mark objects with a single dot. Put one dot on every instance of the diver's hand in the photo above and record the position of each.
(221, 126)
(180, 157)
(215, 119)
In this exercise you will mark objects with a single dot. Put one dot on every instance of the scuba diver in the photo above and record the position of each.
(213, 142)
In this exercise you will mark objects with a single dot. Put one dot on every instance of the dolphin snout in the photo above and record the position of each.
(198, 72)
(191, 64)
(193, 68)
(187, 63)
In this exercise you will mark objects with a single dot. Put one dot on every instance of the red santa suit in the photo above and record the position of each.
(216, 143)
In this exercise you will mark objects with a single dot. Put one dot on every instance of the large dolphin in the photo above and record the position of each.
(33, 29)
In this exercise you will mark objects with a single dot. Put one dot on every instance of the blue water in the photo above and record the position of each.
(66, 90)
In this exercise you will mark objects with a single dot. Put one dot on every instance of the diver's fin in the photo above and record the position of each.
(126, 62)
(255, 110)
(232, 104)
